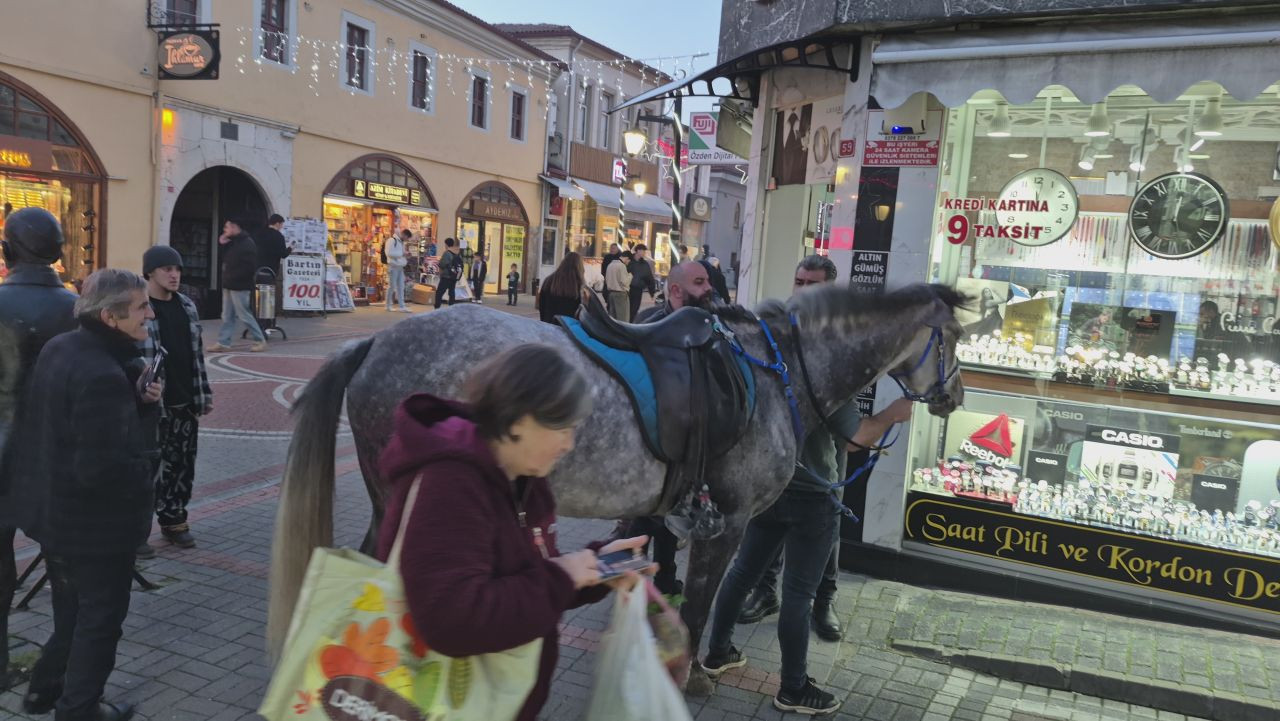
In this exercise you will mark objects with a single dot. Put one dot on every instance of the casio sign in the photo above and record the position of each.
(1046, 461)
(1142, 440)
(1067, 415)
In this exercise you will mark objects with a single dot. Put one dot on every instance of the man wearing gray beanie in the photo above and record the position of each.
(187, 396)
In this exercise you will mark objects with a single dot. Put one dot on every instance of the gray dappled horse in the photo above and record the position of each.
(848, 341)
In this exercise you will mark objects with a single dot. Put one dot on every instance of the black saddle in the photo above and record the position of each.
(704, 392)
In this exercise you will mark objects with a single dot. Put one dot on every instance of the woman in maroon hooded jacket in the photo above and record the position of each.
(481, 569)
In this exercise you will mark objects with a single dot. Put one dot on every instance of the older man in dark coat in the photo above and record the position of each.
(34, 307)
(83, 471)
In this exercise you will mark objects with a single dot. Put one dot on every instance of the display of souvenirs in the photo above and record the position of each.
(1114, 505)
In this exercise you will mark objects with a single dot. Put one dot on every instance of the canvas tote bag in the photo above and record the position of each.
(352, 652)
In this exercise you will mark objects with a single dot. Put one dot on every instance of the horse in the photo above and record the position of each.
(840, 340)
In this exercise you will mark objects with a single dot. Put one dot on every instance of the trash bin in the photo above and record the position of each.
(264, 307)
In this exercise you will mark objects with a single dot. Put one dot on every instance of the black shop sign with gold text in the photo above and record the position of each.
(1175, 567)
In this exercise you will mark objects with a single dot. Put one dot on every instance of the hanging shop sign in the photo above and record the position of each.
(386, 193)
(619, 171)
(303, 282)
(697, 207)
(26, 154)
(904, 150)
(993, 531)
(189, 55)
(703, 129)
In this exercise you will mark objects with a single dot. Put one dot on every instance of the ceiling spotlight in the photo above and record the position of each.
(1182, 160)
(1210, 124)
(1099, 124)
(1087, 155)
(1000, 126)
(1141, 150)
(1197, 144)
(1198, 156)
(1018, 156)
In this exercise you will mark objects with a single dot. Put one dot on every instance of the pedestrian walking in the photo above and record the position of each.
(271, 245)
(187, 395)
(565, 290)
(239, 266)
(481, 567)
(393, 249)
(34, 307)
(83, 475)
(643, 279)
(513, 285)
(716, 277)
(617, 287)
(479, 271)
(804, 524)
(450, 272)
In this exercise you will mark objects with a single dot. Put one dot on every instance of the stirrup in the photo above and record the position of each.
(696, 517)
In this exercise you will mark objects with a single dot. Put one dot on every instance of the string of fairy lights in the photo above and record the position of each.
(324, 60)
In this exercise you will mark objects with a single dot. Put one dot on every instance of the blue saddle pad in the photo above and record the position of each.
(631, 370)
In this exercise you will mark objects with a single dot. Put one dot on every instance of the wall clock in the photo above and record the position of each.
(1178, 215)
(1043, 199)
(1273, 223)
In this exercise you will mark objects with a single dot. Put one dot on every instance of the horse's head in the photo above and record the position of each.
(930, 372)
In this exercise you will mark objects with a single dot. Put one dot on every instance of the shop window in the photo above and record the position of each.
(606, 121)
(480, 102)
(517, 115)
(274, 28)
(584, 115)
(33, 125)
(358, 35)
(1120, 350)
(421, 79)
(60, 135)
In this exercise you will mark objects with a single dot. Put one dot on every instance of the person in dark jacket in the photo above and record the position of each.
(83, 474)
(564, 291)
(450, 273)
(272, 247)
(642, 277)
(34, 307)
(481, 567)
(239, 265)
(716, 278)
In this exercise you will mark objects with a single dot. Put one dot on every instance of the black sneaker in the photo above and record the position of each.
(717, 663)
(808, 699)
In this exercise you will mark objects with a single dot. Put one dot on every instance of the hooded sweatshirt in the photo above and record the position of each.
(476, 579)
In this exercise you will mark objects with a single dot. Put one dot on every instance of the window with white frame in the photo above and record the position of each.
(480, 102)
(519, 111)
(422, 68)
(273, 24)
(606, 121)
(182, 12)
(584, 115)
(358, 36)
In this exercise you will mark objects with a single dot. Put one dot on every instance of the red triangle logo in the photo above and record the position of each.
(995, 436)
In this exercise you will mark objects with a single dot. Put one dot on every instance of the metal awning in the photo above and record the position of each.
(639, 207)
(1091, 60)
(740, 78)
(567, 189)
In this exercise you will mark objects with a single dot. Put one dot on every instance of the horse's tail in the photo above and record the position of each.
(304, 518)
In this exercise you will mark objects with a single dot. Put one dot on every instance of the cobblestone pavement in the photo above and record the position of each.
(193, 648)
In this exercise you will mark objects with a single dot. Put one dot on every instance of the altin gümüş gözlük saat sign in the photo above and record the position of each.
(1202, 572)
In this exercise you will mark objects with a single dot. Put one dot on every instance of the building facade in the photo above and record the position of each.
(375, 116)
(1098, 177)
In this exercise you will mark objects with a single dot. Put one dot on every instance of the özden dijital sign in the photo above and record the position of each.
(1203, 572)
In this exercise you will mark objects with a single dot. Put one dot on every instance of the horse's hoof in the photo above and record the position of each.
(699, 683)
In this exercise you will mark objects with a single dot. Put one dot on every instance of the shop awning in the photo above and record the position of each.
(567, 189)
(639, 207)
(1163, 58)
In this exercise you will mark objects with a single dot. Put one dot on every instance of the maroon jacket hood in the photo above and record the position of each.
(426, 429)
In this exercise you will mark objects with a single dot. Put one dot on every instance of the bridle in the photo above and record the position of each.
(939, 387)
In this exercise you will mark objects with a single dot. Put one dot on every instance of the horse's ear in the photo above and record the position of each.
(951, 297)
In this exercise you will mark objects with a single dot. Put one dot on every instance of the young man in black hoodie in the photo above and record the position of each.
(239, 265)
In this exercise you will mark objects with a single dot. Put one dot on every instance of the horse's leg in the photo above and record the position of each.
(369, 469)
(708, 561)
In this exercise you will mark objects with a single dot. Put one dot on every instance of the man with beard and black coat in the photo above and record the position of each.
(271, 244)
(642, 277)
(34, 307)
(83, 474)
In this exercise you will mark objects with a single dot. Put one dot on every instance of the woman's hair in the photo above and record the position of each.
(109, 289)
(568, 279)
(528, 380)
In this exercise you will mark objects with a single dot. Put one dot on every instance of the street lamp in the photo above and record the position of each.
(634, 139)
(640, 187)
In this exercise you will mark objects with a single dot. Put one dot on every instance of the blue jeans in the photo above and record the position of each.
(395, 285)
(235, 308)
(803, 525)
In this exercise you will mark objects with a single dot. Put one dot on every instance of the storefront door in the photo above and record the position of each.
(492, 255)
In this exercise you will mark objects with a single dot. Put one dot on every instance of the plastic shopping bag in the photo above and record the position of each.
(632, 683)
(352, 653)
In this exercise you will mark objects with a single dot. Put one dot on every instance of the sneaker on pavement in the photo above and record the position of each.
(145, 552)
(218, 348)
(180, 537)
(808, 699)
(258, 347)
(717, 663)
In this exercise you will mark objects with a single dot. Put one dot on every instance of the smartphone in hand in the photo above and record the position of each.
(617, 563)
(152, 371)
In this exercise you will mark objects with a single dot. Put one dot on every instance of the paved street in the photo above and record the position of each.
(193, 648)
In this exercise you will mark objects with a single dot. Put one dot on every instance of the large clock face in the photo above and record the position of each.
(1041, 199)
(1178, 215)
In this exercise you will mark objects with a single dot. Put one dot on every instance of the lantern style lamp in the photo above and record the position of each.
(634, 139)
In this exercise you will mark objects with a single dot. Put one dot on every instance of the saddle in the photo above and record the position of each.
(693, 395)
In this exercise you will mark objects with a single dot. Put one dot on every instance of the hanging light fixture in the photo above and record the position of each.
(1182, 160)
(634, 139)
(1099, 124)
(1000, 126)
(1210, 124)
(640, 187)
(1087, 154)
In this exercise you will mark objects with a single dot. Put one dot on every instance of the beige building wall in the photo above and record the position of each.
(104, 78)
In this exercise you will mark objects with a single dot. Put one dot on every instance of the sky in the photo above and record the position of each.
(641, 29)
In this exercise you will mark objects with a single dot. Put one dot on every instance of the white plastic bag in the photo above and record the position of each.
(631, 682)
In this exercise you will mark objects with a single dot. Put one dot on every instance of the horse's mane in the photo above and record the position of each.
(835, 304)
